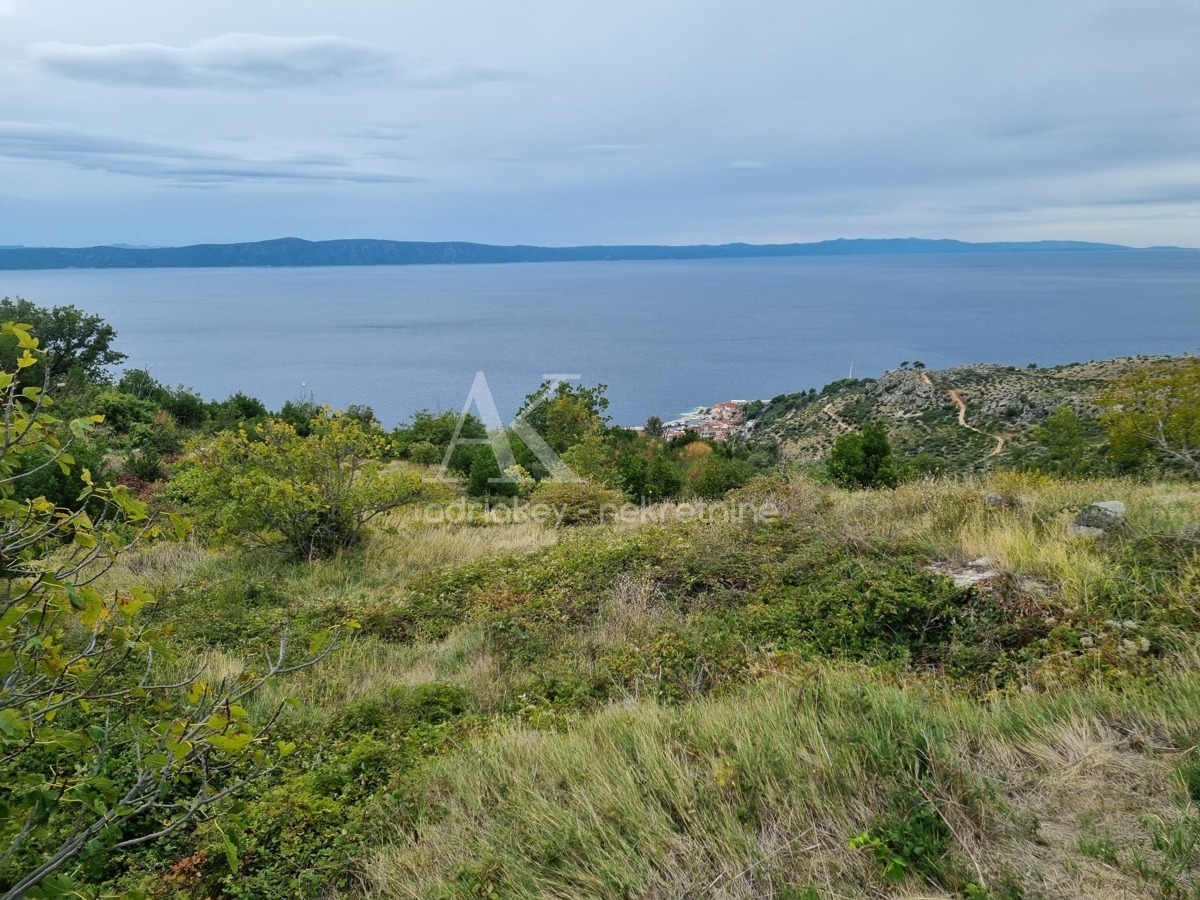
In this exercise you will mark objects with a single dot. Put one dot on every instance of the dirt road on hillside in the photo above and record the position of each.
(832, 413)
(962, 418)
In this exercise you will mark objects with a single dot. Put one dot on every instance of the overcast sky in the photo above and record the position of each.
(563, 122)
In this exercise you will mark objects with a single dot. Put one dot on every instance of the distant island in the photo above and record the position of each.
(298, 252)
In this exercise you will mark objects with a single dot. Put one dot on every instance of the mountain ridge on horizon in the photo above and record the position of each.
(298, 252)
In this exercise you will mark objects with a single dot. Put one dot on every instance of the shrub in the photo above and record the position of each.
(863, 458)
(140, 383)
(237, 411)
(95, 754)
(145, 465)
(123, 411)
(593, 458)
(424, 453)
(1156, 407)
(300, 413)
(161, 436)
(311, 495)
(188, 407)
(648, 474)
(486, 479)
(1062, 441)
(719, 475)
(920, 465)
(578, 502)
(437, 430)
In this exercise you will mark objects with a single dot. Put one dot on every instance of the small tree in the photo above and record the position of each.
(594, 459)
(1062, 440)
(69, 338)
(654, 428)
(563, 413)
(412, 440)
(486, 479)
(311, 495)
(96, 755)
(647, 472)
(1156, 407)
(863, 458)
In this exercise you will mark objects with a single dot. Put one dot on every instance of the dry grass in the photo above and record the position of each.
(367, 668)
(160, 567)
(631, 602)
(415, 547)
(1056, 793)
(651, 802)
(362, 667)
(1030, 537)
(755, 795)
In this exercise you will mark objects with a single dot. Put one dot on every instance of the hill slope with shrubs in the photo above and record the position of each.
(703, 674)
(922, 417)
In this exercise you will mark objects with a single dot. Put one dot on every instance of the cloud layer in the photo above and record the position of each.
(248, 62)
(543, 122)
(232, 61)
(143, 159)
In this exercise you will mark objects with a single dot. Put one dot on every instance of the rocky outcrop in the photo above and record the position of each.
(1105, 517)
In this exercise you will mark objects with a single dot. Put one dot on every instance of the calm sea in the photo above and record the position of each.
(664, 336)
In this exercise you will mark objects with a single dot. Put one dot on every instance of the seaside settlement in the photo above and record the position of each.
(718, 421)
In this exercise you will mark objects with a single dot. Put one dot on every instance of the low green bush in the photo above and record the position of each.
(577, 502)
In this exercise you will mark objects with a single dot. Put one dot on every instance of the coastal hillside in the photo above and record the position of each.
(972, 418)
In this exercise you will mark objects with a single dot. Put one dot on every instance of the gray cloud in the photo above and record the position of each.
(678, 121)
(382, 131)
(253, 62)
(231, 61)
(455, 77)
(605, 149)
(143, 159)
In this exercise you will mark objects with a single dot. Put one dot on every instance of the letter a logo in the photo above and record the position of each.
(481, 397)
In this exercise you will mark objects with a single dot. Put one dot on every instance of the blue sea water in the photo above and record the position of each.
(664, 336)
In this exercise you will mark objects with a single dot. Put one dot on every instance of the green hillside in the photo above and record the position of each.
(922, 417)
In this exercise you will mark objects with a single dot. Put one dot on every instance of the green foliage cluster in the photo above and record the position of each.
(312, 495)
(727, 604)
(912, 838)
(96, 754)
(71, 340)
(1154, 411)
(578, 503)
(429, 435)
(864, 458)
(300, 833)
(572, 421)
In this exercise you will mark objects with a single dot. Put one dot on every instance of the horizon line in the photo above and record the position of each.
(139, 248)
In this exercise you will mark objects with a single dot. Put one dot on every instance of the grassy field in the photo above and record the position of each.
(802, 705)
